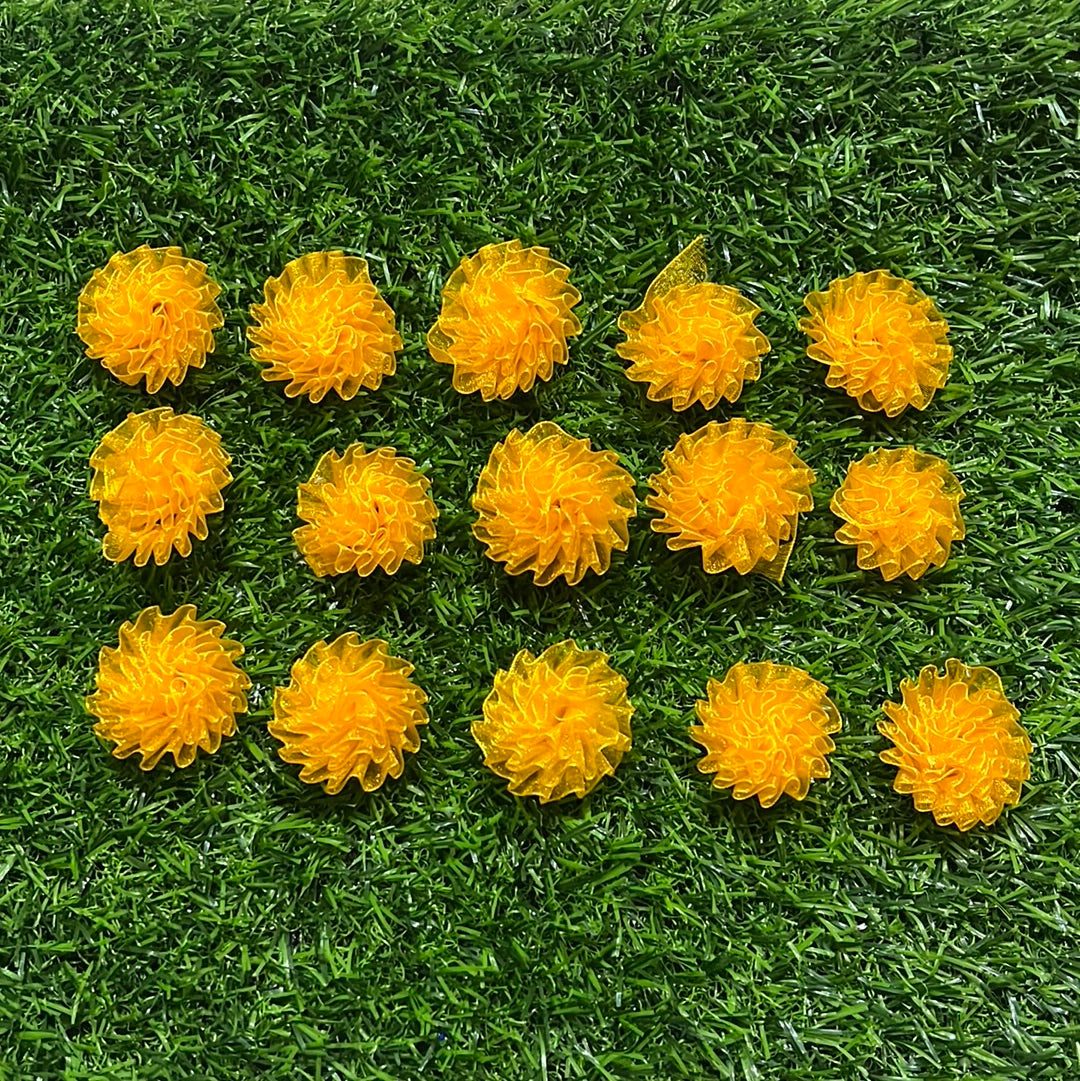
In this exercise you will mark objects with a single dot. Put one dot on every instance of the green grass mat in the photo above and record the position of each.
(228, 922)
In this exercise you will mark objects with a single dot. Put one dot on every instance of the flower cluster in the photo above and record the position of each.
(547, 504)
(505, 321)
(554, 725)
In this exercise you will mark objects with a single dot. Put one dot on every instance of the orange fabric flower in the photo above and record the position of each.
(735, 491)
(884, 341)
(150, 313)
(350, 710)
(324, 326)
(958, 747)
(172, 687)
(691, 340)
(364, 509)
(902, 511)
(156, 477)
(555, 724)
(505, 320)
(765, 730)
(551, 505)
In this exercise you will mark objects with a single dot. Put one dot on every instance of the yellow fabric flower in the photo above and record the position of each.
(902, 511)
(959, 750)
(505, 320)
(172, 687)
(735, 491)
(551, 505)
(149, 313)
(350, 710)
(692, 340)
(765, 730)
(156, 478)
(364, 509)
(555, 724)
(884, 341)
(324, 326)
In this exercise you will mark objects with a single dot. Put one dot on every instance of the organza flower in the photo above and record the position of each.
(902, 511)
(323, 326)
(555, 724)
(149, 313)
(884, 341)
(551, 505)
(156, 478)
(364, 509)
(350, 710)
(959, 750)
(735, 491)
(505, 320)
(692, 340)
(172, 687)
(765, 730)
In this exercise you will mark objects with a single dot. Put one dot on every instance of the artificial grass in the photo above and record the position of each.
(226, 921)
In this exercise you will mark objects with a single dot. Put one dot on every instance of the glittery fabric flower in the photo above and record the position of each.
(555, 724)
(692, 340)
(901, 510)
(172, 687)
(364, 509)
(884, 341)
(156, 478)
(350, 711)
(323, 326)
(505, 320)
(549, 504)
(149, 314)
(959, 750)
(765, 729)
(735, 491)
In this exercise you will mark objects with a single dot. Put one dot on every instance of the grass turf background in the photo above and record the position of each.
(226, 921)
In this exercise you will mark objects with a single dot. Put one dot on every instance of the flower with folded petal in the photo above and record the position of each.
(323, 326)
(172, 687)
(156, 478)
(735, 491)
(959, 750)
(765, 730)
(551, 505)
(350, 711)
(149, 313)
(364, 509)
(901, 509)
(884, 342)
(692, 340)
(505, 320)
(555, 724)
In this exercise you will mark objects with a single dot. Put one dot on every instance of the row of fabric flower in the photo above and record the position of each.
(553, 725)
(547, 503)
(505, 323)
